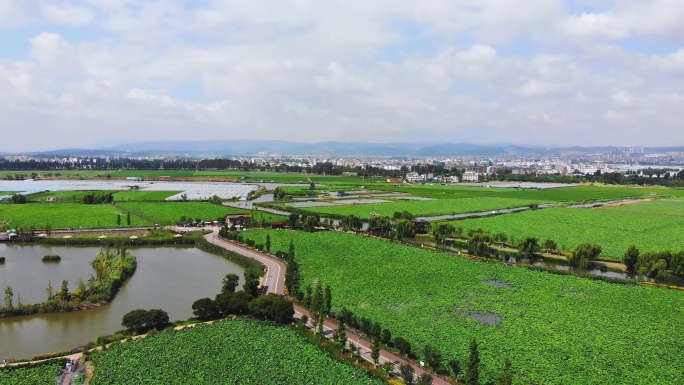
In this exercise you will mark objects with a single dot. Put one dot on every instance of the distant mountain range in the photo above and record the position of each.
(219, 148)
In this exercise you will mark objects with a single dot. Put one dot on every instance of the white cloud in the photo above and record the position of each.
(355, 70)
(18, 12)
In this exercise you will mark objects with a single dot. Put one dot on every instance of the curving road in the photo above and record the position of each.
(275, 274)
(275, 281)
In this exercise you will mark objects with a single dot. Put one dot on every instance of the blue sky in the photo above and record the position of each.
(92, 72)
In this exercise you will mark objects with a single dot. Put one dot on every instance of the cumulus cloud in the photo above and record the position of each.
(466, 70)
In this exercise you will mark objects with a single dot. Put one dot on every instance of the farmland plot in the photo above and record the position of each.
(651, 226)
(228, 352)
(63, 215)
(424, 207)
(554, 329)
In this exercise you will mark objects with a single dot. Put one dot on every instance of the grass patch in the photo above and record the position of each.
(168, 213)
(578, 331)
(651, 226)
(422, 208)
(64, 215)
(240, 351)
(124, 196)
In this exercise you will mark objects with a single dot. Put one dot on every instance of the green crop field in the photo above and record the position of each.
(228, 352)
(554, 329)
(651, 226)
(422, 208)
(168, 213)
(555, 195)
(37, 375)
(65, 196)
(123, 196)
(63, 215)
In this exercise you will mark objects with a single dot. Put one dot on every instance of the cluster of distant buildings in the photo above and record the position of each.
(481, 173)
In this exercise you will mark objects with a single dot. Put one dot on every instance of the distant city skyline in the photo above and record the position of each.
(94, 73)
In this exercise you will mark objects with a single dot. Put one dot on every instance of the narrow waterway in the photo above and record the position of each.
(168, 278)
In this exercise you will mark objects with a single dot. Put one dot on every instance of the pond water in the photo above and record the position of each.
(168, 278)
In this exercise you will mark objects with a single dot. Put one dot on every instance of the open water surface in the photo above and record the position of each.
(168, 278)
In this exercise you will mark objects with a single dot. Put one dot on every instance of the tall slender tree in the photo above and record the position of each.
(9, 296)
(472, 376)
(631, 258)
(506, 375)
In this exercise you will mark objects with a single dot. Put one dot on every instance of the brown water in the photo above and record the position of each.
(168, 278)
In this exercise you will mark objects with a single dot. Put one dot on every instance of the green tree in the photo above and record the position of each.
(233, 303)
(128, 219)
(405, 229)
(63, 293)
(312, 186)
(352, 222)
(327, 301)
(291, 250)
(81, 290)
(316, 307)
(433, 357)
(251, 284)
(292, 276)
(273, 307)
(278, 193)
(18, 199)
(442, 232)
(407, 373)
(528, 247)
(205, 309)
(375, 350)
(9, 296)
(424, 379)
(472, 375)
(310, 222)
(267, 244)
(479, 245)
(550, 245)
(455, 366)
(403, 346)
(506, 375)
(50, 291)
(293, 220)
(583, 255)
(386, 337)
(140, 320)
(654, 264)
(118, 219)
(341, 333)
(230, 282)
(631, 258)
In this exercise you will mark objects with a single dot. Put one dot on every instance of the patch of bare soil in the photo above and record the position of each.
(629, 202)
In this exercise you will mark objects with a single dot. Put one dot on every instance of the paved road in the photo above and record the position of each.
(275, 275)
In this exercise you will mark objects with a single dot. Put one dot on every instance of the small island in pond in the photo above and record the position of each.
(112, 268)
(52, 258)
